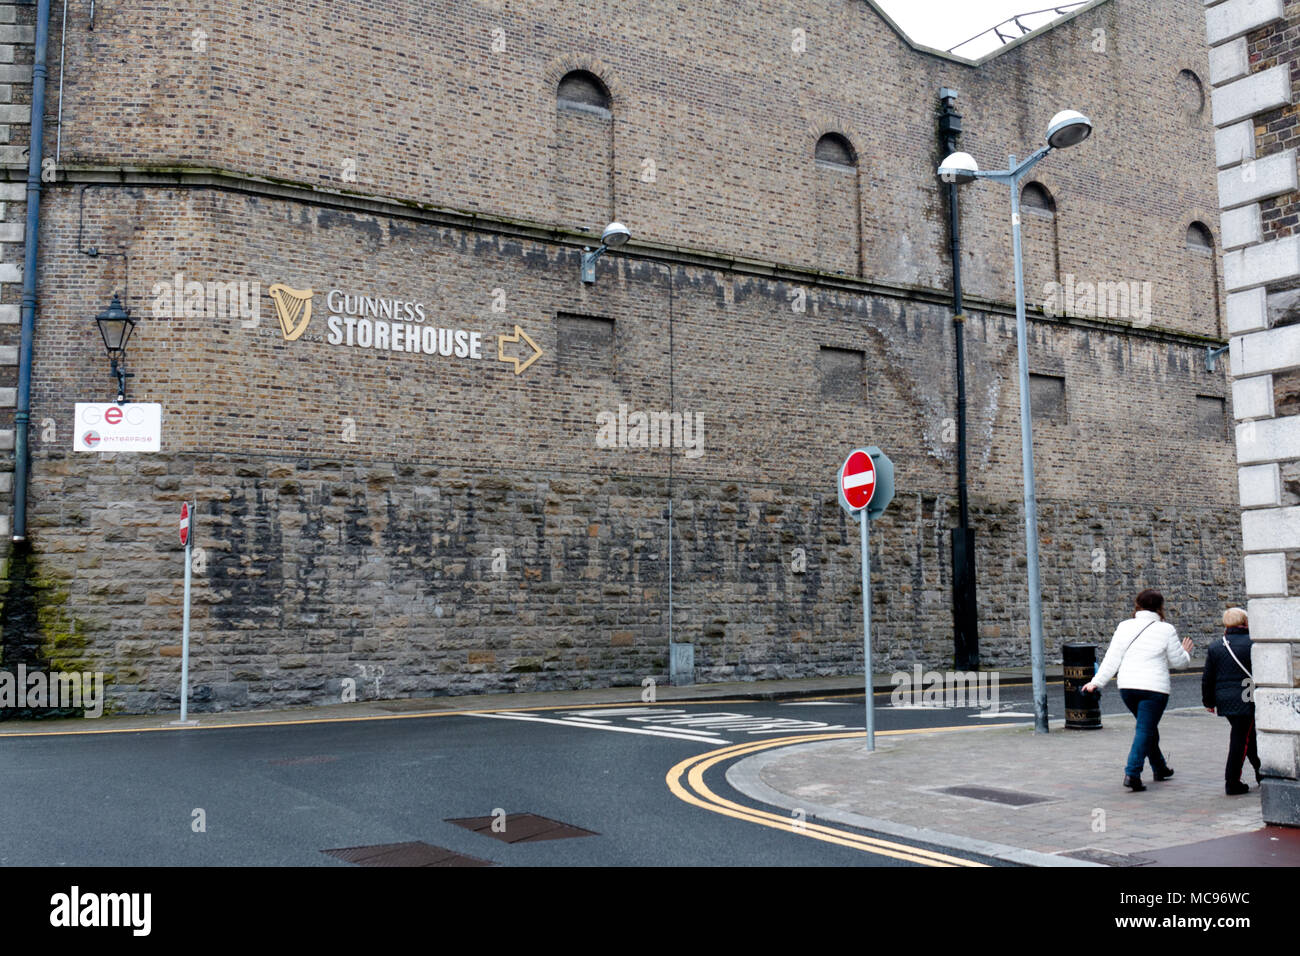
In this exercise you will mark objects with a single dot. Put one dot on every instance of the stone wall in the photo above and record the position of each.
(1253, 52)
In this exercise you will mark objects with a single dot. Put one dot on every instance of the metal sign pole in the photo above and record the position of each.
(185, 626)
(866, 626)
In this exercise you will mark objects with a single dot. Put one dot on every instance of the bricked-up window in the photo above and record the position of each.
(1201, 281)
(1047, 398)
(585, 345)
(1036, 199)
(581, 90)
(1199, 238)
(842, 373)
(582, 174)
(838, 206)
(1039, 235)
(835, 150)
(1211, 417)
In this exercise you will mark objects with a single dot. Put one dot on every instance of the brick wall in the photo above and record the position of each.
(352, 502)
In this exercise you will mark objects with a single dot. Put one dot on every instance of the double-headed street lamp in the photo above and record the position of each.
(1067, 128)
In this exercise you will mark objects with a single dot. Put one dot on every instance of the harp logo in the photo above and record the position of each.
(292, 308)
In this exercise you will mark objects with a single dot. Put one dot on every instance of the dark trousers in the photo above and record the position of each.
(1147, 706)
(1241, 747)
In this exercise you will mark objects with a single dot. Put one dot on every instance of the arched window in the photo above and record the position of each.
(1041, 238)
(838, 206)
(1201, 281)
(583, 91)
(834, 150)
(1036, 199)
(1199, 238)
(582, 175)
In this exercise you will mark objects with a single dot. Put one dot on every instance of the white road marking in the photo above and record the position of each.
(620, 730)
(816, 703)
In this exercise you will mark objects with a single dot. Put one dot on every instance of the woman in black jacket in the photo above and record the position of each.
(1228, 687)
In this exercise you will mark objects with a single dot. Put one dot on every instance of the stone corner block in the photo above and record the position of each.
(1259, 264)
(1265, 575)
(1256, 93)
(1230, 61)
(1272, 529)
(1258, 179)
(1266, 351)
(1227, 21)
(1275, 619)
(1260, 486)
(1272, 665)
(1251, 397)
(1279, 755)
(1234, 144)
(1241, 227)
(1247, 311)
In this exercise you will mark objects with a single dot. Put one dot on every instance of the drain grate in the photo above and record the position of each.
(1009, 798)
(405, 854)
(522, 828)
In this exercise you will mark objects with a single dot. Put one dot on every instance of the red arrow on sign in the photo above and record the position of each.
(858, 480)
(185, 522)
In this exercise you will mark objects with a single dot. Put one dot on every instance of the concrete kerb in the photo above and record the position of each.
(745, 776)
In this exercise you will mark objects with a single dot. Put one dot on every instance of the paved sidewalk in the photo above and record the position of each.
(1085, 812)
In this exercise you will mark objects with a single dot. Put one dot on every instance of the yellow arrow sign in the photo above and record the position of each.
(515, 337)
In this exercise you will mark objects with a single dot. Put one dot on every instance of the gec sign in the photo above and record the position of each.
(134, 426)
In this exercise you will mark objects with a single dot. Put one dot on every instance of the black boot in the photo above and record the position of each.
(1134, 783)
(1235, 788)
(1164, 774)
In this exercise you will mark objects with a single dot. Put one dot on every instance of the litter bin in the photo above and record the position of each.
(1082, 710)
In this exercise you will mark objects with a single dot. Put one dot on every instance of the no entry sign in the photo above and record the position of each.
(857, 481)
(866, 486)
(185, 523)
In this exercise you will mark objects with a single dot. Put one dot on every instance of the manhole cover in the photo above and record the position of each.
(1106, 858)
(521, 828)
(405, 854)
(1010, 798)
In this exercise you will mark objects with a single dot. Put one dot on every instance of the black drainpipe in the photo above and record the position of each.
(965, 608)
(32, 234)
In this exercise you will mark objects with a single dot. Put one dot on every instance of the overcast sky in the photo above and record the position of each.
(944, 23)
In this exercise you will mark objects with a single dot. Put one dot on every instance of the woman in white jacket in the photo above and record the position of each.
(1141, 652)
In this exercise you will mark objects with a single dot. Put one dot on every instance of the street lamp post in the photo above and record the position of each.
(1067, 128)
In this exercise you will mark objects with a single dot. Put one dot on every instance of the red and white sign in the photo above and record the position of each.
(857, 480)
(135, 426)
(185, 522)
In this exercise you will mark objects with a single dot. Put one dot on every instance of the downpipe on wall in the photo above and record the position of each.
(22, 414)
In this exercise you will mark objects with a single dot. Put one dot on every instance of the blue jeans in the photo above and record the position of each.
(1147, 706)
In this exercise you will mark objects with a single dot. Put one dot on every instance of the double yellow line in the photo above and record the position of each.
(686, 781)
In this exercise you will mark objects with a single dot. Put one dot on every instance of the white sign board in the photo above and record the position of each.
(134, 426)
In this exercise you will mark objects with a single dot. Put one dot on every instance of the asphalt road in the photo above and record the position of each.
(646, 780)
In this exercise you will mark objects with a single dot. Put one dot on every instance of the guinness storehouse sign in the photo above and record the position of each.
(393, 325)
